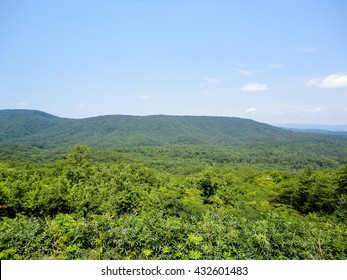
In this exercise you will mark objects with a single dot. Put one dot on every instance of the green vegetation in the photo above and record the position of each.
(261, 197)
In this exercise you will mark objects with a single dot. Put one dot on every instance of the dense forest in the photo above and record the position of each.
(165, 187)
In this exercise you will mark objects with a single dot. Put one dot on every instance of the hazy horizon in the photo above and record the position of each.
(319, 126)
(270, 61)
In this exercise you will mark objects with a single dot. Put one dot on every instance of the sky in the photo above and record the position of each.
(267, 60)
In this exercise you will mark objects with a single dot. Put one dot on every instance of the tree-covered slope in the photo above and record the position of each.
(38, 127)
(38, 136)
(79, 208)
(18, 124)
(168, 187)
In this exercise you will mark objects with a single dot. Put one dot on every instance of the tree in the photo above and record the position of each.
(78, 166)
(208, 187)
(342, 180)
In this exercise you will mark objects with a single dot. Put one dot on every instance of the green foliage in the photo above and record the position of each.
(163, 187)
(78, 167)
(181, 144)
(208, 187)
(24, 238)
(342, 180)
(310, 191)
(70, 236)
(80, 207)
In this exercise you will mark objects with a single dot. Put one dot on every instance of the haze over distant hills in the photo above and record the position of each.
(314, 127)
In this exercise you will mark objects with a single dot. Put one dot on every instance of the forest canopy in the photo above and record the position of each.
(82, 208)
(165, 187)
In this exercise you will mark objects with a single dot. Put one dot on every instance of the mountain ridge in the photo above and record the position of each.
(36, 126)
(166, 141)
(313, 127)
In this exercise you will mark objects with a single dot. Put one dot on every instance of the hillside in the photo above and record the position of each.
(27, 134)
(19, 126)
(168, 188)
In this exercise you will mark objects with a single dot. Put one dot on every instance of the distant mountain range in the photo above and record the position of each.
(29, 135)
(30, 126)
(317, 128)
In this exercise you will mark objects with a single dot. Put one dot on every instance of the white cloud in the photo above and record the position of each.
(80, 106)
(143, 97)
(242, 72)
(212, 80)
(298, 48)
(330, 82)
(275, 66)
(290, 48)
(22, 104)
(301, 111)
(306, 50)
(202, 85)
(208, 92)
(315, 110)
(253, 87)
(251, 110)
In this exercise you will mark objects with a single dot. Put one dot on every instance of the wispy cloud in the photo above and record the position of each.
(305, 50)
(315, 110)
(251, 110)
(243, 69)
(312, 110)
(276, 66)
(254, 87)
(23, 104)
(290, 48)
(144, 97)
(333, 81)
(212, 80)
(242, 72)
(298, 48)
(202, 85)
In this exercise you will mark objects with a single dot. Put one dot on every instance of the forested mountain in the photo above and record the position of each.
(36, 127)
(17, 124)
(168, 187)
(39, 127)
(36, 136)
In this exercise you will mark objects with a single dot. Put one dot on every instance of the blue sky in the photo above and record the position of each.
(271, 61)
